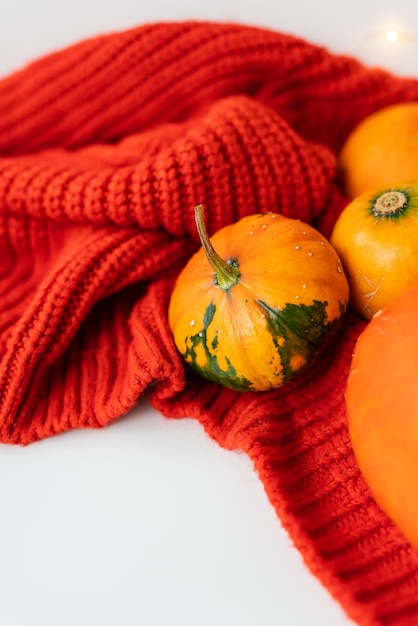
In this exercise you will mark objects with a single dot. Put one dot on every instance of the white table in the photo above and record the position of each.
(148, 522)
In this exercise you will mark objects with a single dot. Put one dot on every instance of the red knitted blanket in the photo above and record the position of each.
(105, 148)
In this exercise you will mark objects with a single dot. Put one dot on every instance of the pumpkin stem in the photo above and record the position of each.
(227, 273)
(390, 203)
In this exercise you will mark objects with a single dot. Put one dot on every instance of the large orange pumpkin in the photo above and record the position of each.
(382, 409)
(376, 236)
(382, 149)
(258, 302)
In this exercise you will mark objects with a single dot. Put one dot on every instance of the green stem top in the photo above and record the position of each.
(226, 273)
(390, 203)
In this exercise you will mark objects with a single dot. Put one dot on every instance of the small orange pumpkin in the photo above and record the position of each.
(258, 302)
(382, 409)
(381, 150)
(376, 236)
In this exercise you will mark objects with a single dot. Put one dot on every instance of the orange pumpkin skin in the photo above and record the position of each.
(381, 150)
(376, 236)
(382, 409)
(270, 325)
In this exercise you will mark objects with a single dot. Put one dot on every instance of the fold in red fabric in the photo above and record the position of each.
(105, 148)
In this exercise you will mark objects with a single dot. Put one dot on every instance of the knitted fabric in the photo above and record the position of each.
(105, 148)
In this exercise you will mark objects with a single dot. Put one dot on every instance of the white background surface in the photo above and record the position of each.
(148, 522)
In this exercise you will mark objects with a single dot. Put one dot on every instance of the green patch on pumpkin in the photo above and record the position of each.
(298, 330)
(211, 370)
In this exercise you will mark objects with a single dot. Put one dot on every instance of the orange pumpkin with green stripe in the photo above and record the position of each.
(258, 302)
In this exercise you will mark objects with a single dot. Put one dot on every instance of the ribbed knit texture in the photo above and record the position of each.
(105, 148)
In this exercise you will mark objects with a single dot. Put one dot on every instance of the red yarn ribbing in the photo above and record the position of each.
(105, 148)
